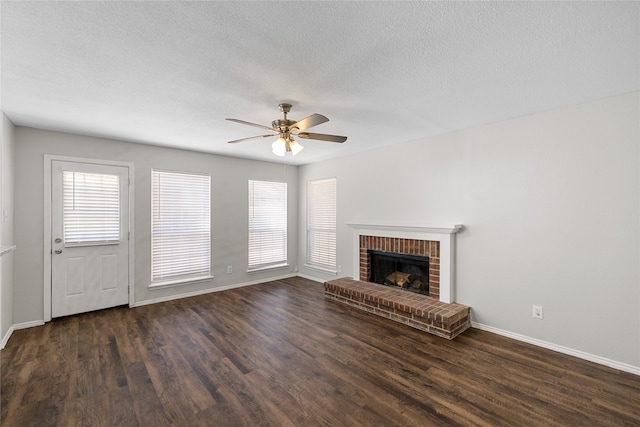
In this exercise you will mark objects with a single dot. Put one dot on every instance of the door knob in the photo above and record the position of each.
(58, 251)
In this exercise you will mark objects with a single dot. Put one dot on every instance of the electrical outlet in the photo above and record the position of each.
(229, 269)
(538, 313)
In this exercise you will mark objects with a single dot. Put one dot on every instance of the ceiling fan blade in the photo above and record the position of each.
(312, 120)
(242, 122)
(322, 137)
(251, 137)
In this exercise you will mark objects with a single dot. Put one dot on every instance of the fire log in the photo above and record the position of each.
(401, 279)
(419, 284)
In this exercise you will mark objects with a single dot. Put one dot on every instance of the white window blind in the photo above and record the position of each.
(321, 223)
(181, 226)
(91, 208)
(267, 223)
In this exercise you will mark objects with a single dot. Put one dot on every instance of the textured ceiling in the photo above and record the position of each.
(168, 73)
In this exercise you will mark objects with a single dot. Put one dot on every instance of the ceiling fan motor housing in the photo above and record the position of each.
(282, 124)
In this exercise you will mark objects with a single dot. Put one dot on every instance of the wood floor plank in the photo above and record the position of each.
(280, 354)
(148, 408)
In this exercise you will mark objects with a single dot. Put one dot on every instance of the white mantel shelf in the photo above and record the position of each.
(417, 228)
(6, 249)
(443, 233)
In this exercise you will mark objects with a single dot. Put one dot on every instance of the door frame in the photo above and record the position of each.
(48, 159)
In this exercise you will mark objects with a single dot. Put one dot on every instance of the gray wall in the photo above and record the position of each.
(229, 211)
(6, 224)
(550, 205)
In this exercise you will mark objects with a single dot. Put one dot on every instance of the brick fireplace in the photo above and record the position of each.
(425, 248)
(436, 313)
(434, 241)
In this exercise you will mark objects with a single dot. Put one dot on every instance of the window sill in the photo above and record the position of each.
(323, 269)
(269, 267)
(179, 282)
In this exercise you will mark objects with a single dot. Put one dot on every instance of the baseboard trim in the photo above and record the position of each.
(315, 279)
(210, 290)
(6, 337)
(560, 349)
(13, 328)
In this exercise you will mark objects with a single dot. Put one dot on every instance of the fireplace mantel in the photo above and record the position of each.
(415, 228)
(443, 233)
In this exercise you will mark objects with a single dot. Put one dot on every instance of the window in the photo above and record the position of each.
(180, 226)
(91, 208)
(267, 224)
(321, 224)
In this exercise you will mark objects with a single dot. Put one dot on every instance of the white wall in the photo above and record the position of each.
(550, 204)
(229, 211)
(7, 146)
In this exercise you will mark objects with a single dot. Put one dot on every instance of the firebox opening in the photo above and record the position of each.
(409, 272)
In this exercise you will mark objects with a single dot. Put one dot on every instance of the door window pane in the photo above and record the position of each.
(91, 208)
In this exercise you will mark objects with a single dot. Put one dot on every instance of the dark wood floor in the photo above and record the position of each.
(279, 354)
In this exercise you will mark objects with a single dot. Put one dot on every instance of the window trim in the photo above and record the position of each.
(268, 267)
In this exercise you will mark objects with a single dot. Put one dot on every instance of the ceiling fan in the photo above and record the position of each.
(287, 129)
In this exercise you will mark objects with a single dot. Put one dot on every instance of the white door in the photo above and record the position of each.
(89, 237)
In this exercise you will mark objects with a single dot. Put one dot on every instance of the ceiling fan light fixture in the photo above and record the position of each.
(294, 147)
(279, 147)
(286, 144)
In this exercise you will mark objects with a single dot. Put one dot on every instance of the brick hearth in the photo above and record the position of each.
(415, 310)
